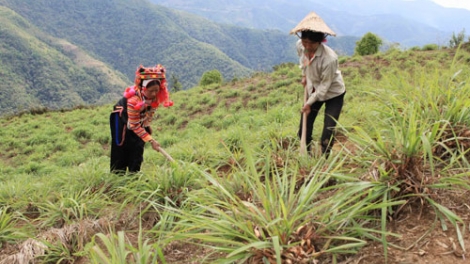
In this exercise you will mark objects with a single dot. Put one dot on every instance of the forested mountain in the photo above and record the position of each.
(38, 70)
(67, 37)
(125, 34)
(409, 23)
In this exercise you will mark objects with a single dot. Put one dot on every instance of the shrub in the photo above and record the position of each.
(368, 45)
(211, 77)
(456, 40)
(342, 59)
(430, 47)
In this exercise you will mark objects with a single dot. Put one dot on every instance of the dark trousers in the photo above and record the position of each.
(333, 108)
(128, 156)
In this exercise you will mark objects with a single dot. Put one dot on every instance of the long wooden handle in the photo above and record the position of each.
(167, 156)
(303, 137)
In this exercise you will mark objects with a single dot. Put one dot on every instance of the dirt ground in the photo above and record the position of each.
(423, 239)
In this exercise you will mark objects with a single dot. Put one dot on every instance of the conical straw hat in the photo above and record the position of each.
(313, 22)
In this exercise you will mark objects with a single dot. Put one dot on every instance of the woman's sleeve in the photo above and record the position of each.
(149, 118)
(134, 122)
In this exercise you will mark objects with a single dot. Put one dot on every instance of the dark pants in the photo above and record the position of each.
(128, 156)
(333, 108)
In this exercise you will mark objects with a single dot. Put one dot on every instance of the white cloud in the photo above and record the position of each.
(454, 3)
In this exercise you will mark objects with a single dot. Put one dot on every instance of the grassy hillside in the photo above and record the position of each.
(39, 71)
(239, 191)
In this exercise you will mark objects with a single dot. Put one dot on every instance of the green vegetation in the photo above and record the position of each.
(211, 77)
(42, 71)
(369, 44)
(240, 191)
(60, 54)
(175, 84)
(458, 39)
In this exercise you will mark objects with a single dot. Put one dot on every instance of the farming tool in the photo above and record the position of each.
(303, 137)
(164, 153)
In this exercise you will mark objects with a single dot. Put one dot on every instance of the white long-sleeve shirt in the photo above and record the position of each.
(322, 72)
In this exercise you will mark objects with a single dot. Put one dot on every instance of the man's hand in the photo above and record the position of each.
(306, 109)
(304, 81)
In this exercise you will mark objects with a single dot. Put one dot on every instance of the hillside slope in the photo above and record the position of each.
(125, 34)
(404, 142)
(38, 70)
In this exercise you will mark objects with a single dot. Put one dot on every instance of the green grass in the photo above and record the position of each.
(239, 187)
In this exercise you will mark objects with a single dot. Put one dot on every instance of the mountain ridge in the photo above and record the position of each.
(422, 21)
(125, 34)
(107, 37)
(115, 36)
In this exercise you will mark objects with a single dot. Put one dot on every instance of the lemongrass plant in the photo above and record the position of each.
(117, 248)
(68, 207)
(400, 151)
(15, 194)
(57, 252)
(278, 220)
(170, 182)
(9, 231)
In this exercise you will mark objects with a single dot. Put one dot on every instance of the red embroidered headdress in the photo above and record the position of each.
(142, 73)
(148, 73)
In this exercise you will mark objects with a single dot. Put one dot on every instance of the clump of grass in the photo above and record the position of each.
(429, 47)
(67, 208)
(268, 216)
(401, 151)
(9, 232)
(56, 245)
(117, 248)
(82, 133)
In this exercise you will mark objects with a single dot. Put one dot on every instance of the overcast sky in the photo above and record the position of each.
(454, 3)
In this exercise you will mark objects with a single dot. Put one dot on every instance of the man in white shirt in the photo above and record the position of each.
(324, 83)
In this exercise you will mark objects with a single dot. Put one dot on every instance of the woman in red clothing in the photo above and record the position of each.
(131, 118)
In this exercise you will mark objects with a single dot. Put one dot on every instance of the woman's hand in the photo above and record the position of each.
(155, 144)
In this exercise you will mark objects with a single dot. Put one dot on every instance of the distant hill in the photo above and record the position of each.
(67, 36)
(125, 34)
(38, 70)
(423, 12)
(409, 23)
